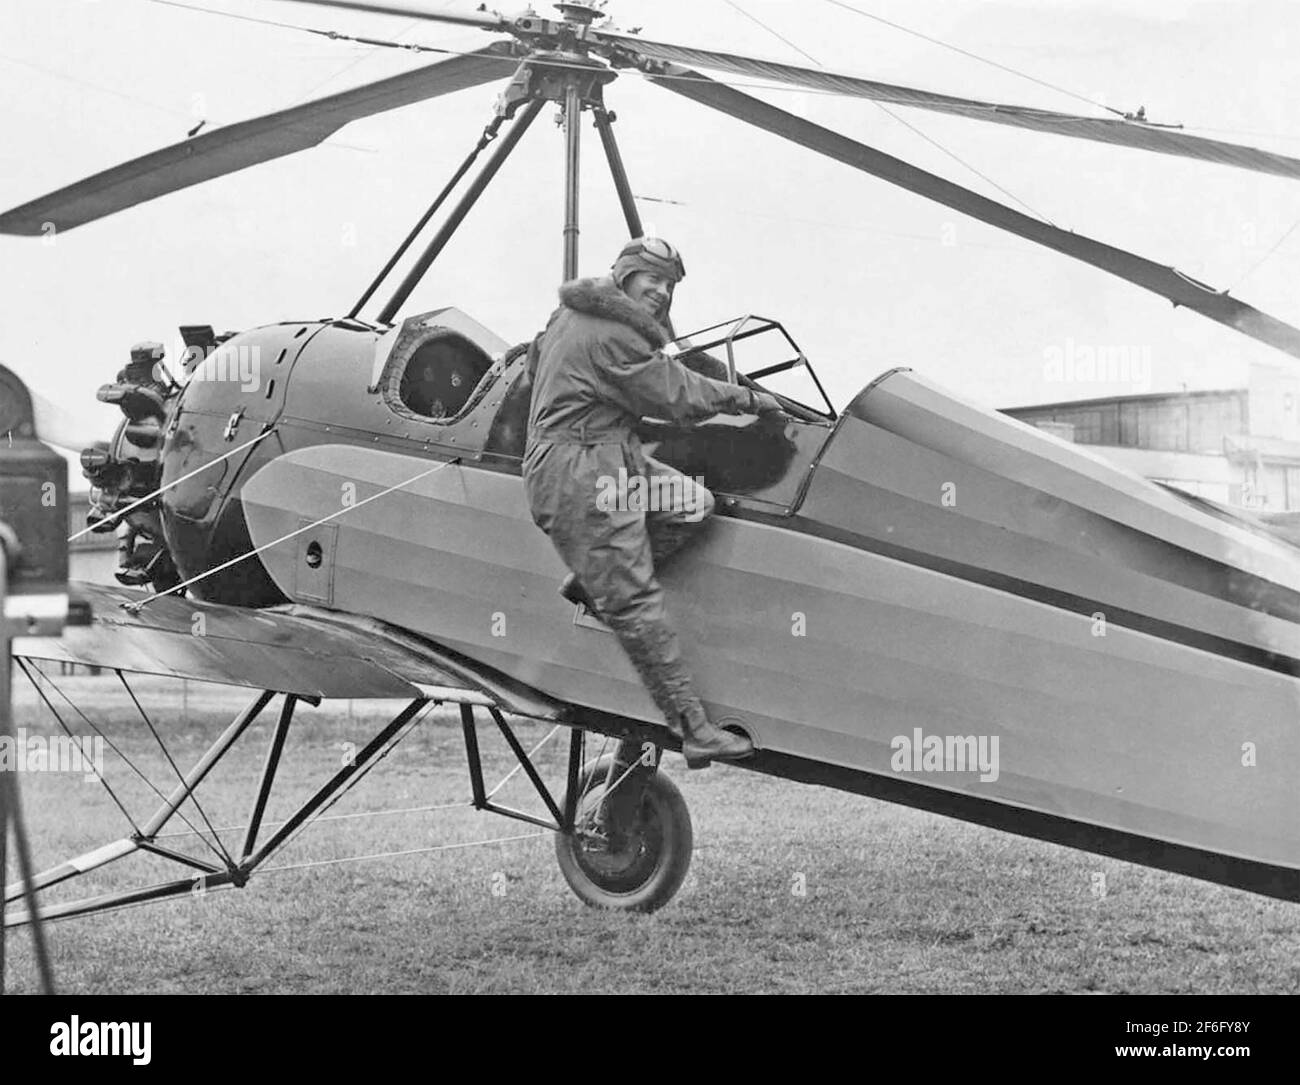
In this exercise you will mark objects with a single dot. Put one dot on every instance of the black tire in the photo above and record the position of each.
(649, 858)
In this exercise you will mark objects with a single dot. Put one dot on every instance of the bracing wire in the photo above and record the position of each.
(125, 905)
(362, 772)
(459, 804)
(398, 854)
(135, 607)
(975, 56)
(512, 61)
(906, 124)
(773, 31)
(1253, 267)
(721, 207)
(961, 161)
(509, 64)
(180, 776)
(119, 513)
(334, 34)
(24, 664)
(519, 767)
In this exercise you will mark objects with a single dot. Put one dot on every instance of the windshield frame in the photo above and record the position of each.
(727, 333)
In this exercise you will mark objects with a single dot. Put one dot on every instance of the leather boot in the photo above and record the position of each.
(703, 741)
(652, 647)
(574, 592)
(666, 539)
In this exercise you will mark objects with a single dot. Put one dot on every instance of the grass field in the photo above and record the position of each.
(792, 888)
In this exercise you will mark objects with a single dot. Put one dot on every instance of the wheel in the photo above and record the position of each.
(641, 857)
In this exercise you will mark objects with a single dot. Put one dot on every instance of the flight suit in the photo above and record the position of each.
(597, 373)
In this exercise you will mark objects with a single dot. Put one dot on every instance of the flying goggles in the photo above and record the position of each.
(649, 254)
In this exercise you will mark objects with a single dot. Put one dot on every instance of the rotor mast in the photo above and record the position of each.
(563, 72)
(581, 15)
(572, 147)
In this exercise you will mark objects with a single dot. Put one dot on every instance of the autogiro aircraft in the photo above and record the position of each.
(954, 574)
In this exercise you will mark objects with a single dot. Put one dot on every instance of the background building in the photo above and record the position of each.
(1240, 446)
(92, 557)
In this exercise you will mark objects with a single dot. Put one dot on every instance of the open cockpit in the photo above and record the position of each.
(448, 373)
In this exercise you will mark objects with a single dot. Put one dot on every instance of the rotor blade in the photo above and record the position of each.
(1123, 133)
(475, 18)
(1165, 281)
(58, 426)
(247, 143)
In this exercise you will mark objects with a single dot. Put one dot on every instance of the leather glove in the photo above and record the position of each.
(765, 404)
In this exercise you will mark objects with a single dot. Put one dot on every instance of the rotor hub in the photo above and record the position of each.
(554, 71)
(583, 14)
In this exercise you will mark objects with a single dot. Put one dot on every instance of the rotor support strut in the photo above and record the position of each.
(604, 125)
(489, 134)
(459, 212)
(575, 82)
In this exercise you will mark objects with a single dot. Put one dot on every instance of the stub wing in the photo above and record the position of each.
(293, 649)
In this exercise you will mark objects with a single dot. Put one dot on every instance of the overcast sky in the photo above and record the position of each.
(865, 276)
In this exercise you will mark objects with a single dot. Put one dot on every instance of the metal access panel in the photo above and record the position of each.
(313, 579)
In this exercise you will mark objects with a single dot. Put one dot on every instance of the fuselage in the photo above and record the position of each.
(309, 383)
(919, 571)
